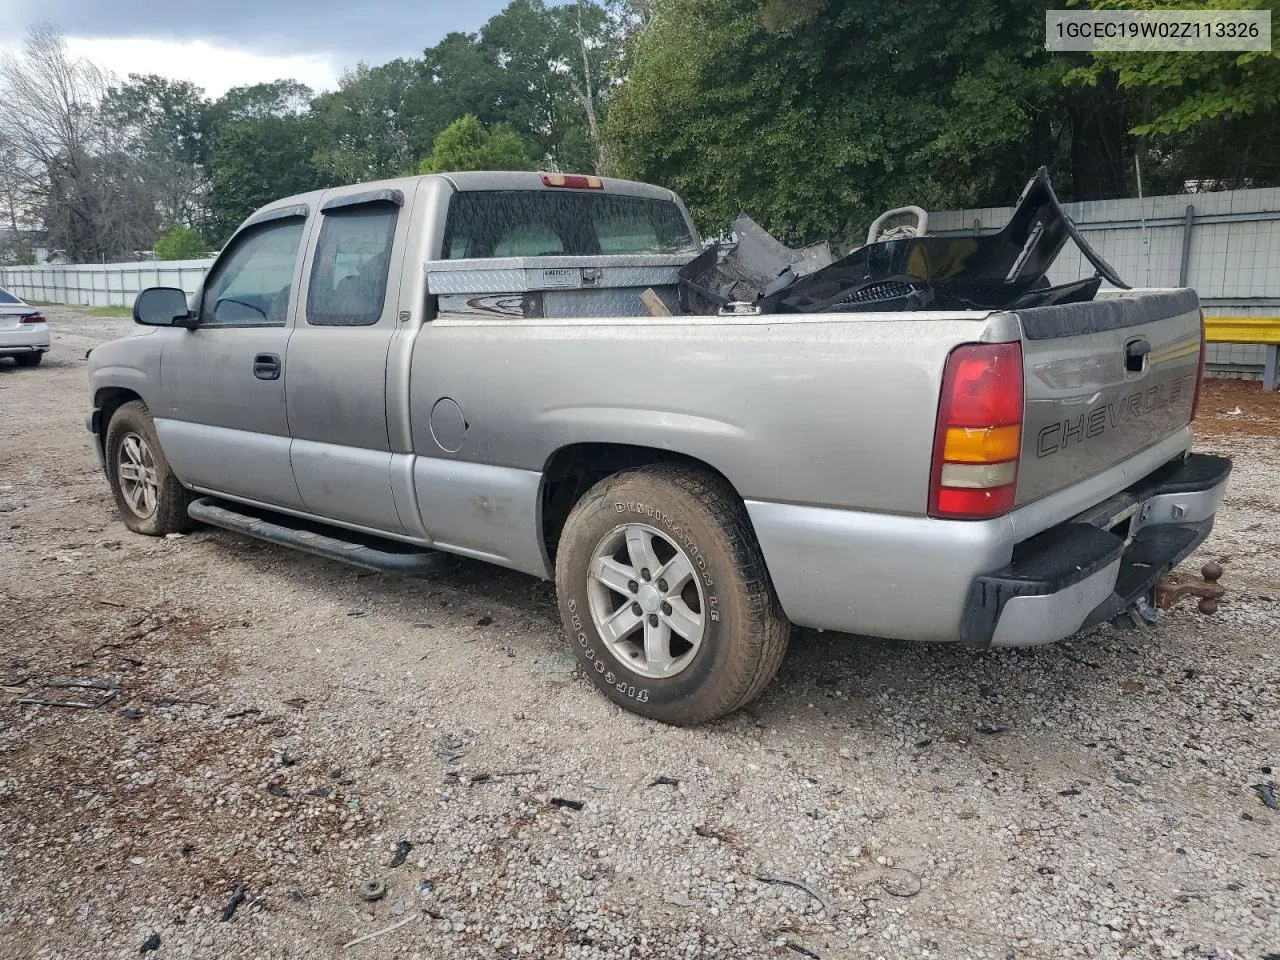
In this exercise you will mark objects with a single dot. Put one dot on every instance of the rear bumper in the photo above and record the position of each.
(13, 349)
(917, 578)
(1095, 566)
(24, 339)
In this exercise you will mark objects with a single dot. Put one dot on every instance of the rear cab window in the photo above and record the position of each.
(534, 223)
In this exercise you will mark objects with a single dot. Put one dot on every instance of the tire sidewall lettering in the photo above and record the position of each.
(679, 532)
(611, 679)
(623, 681)
(696, 529)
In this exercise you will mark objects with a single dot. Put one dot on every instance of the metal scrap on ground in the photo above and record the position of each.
(403, 848)
(823, 900)
(106, 691)
(237, 898)
(378, 933)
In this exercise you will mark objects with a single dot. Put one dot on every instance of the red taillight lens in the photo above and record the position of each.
(978, 438)
(576, 181)
(33, 318)
(985, 384)
(1204, 348)
(970, 504)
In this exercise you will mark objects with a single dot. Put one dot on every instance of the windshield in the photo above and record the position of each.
(532, 223)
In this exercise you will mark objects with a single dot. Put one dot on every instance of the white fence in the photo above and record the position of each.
(1225, 245)
(100, 284)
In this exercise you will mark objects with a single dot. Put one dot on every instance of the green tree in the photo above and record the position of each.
(466, 145)
(363, 129)
(64, 167)
(180, 243)
(815, 115)
(263, 101)
(591, 44)
(165, 125)
(457, 77)
(172, 117)
(263, 148)
(1194, 88)
(546, 72)
(1207, 116)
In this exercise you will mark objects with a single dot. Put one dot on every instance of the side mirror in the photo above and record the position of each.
(163, 307)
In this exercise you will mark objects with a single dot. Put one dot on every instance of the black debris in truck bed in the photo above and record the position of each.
(998, 271)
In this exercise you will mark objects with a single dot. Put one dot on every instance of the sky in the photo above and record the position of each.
(219, 44)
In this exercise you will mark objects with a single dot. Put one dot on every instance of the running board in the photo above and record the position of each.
(354, 548)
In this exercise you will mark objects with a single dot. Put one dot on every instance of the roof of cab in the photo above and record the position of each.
(522, 180)
(474, 180)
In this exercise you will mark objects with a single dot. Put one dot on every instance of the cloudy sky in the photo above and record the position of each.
(220, 44)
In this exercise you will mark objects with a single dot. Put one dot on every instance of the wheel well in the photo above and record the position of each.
(108, 400)
(572, 471)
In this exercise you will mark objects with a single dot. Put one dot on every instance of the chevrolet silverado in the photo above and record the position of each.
(549, 372)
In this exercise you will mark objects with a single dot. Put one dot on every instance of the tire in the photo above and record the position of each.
(29, 359)
(693, 526)
(158, 506)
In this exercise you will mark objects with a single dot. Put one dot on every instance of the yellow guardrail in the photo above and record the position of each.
(1265, 330)
(1255, 330)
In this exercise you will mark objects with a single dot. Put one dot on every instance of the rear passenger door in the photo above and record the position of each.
(335, 387)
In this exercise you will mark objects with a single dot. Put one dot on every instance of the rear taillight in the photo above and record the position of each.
(979, 434)
(33, 318)
(576, 181)
(1204, 348)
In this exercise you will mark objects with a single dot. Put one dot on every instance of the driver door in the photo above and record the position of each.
(222, 424)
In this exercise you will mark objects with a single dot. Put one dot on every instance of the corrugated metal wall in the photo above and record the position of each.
(1231, 243)
(100, 284)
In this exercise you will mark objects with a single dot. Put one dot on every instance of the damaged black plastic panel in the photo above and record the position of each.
(1004, 270)
(756, 266)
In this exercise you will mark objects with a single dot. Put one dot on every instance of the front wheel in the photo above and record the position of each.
(150, 498)
(665, 597)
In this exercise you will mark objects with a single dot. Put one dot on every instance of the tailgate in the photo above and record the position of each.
(1104, 380)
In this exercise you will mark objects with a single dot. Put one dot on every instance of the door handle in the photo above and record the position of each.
(1135, 354)
(266, 366)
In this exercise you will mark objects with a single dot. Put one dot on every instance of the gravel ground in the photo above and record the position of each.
(286, 728)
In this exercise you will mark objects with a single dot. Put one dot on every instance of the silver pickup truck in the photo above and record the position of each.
(502, 366)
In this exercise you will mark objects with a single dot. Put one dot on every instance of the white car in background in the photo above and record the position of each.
(24, 331)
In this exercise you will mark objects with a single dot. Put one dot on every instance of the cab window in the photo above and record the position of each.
(250, 286)
(348, 285)
(540, 223)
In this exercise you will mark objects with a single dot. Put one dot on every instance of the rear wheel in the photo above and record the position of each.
(150, 498)
(665, 597)
(29, 359)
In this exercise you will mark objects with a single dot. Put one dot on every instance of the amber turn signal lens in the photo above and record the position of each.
(982, 445)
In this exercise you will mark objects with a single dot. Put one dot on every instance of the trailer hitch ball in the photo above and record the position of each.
(1209, 591)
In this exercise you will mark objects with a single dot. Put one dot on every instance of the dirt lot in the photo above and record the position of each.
(283, 725)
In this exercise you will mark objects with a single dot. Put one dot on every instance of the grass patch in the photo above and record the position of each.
(125, 312)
